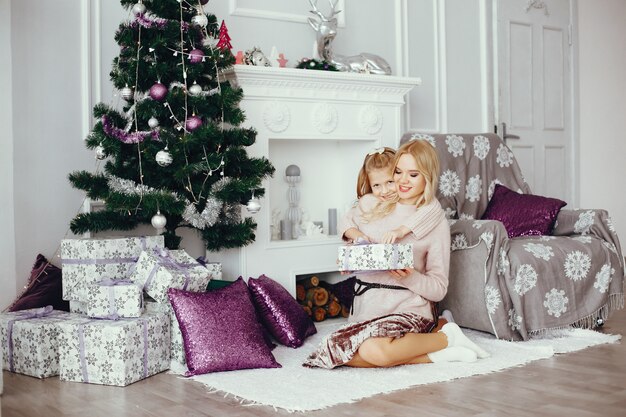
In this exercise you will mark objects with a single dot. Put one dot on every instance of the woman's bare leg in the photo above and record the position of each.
(358, 362)
(387, 351)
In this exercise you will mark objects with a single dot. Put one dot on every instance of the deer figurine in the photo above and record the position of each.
(326, 29)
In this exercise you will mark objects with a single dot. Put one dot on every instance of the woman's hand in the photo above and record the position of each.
(401, 273)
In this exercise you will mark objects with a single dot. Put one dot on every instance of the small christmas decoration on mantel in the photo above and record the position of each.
(315, 64)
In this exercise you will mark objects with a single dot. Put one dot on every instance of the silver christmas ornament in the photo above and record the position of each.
(164, 158)
(158, 221)
(127, 93)
(153, 122)
(195, 89)
(200, 20)
(253, 206)
(100, 153)
(138, 9)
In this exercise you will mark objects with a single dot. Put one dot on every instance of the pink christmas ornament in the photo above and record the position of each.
(193, 123)
(158, 92)
(196, 55)
(203, 2)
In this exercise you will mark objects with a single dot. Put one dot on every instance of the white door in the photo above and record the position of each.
(534, 67)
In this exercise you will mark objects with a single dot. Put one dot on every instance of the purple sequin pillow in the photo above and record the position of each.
(523, 214)
(220, 330)
(283, 317)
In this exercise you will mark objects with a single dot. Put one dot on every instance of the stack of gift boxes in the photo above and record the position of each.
(121, 327)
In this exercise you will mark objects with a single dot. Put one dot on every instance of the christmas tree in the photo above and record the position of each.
(175, 154)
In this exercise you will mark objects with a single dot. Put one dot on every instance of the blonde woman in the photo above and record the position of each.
(393, 310)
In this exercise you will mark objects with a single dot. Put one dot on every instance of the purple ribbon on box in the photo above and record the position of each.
(82, 349)
(111, 283)
(164, 258)
(25, 315)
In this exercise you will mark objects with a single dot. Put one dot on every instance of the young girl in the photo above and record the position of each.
(393, 309)
(375, 184)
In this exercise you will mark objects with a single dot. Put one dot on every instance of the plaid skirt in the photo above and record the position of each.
(339, 347)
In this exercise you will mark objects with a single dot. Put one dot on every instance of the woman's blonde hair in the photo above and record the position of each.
(427, 162)
(381, 158)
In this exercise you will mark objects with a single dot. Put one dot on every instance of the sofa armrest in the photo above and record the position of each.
(589, 222)
(466, 234)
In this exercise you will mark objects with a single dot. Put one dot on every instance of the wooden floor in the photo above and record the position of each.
(591, 382)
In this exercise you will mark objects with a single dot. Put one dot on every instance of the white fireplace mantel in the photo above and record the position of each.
(324, 122)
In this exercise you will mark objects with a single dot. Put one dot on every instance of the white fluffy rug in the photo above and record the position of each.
(296, 388)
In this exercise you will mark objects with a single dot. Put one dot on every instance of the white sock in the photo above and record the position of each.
(457, 338)
(453, 354)
(447, 314)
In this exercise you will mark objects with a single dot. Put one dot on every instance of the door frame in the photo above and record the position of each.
(491, 31)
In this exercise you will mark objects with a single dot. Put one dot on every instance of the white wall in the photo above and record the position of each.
(60, 55)
(7, 217)
(602, 86)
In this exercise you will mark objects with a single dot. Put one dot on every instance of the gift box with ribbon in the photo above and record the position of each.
(29, 341)
(114, 352)
(87, 261)
(177, 348)
(375, 257)
(160, 269)
(110, 299)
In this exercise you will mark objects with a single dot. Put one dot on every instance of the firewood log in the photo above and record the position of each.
(345, 312)
(333, 308)
(300, 292)
(310, 282)
(317, 295)
(319, 313)
(307, 310)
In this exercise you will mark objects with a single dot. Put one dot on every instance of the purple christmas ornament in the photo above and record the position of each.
(203, 2)
(196, 55)
(158, 92)
(193, 123)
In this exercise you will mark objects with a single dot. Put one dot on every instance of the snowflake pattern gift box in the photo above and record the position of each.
(161, 269)
(114, 299)
(29, 341)
(177, 348)
(375, 257)
(114, 352)
(87, 261)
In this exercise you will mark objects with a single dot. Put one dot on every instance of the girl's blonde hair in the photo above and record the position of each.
(427, 161)
(381, 158)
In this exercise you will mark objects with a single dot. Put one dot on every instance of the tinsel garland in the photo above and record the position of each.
(148, 21)
(207, 218)
(123, 136)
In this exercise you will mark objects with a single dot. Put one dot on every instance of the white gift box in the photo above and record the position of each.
(114, 299)
(78, 307)
(215, 269)
(177, 348)
(29, 341)
(159, 270)
(87, 261)
(114, 352)
(375, 257)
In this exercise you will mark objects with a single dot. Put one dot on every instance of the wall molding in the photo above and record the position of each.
(235, 10)
(86, 68)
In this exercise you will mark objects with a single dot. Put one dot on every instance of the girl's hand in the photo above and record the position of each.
(401, 273)
(395, 234)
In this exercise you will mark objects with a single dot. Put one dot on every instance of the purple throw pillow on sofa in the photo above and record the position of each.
(220, 330)
(523, 214)
(281, 314)
(44, 288)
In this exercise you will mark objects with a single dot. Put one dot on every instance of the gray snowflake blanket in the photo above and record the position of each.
(515, 288)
